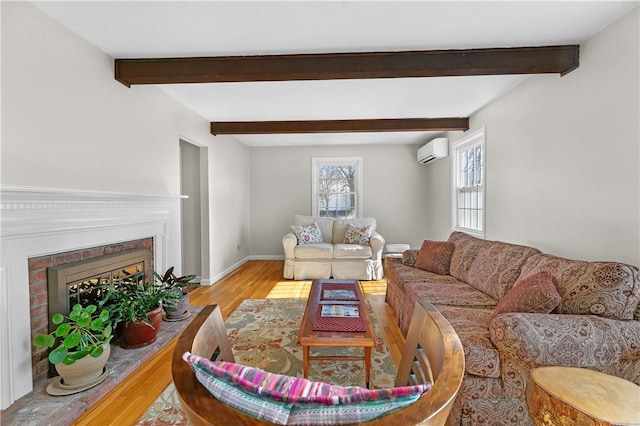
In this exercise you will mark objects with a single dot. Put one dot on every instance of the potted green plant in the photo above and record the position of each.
(177, 301)
(83, 348)
(136, 307)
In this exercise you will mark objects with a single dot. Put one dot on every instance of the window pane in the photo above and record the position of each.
(336, 186)
(469, 201)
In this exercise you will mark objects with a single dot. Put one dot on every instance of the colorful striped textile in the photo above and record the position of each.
(271, 396)
(248, 403)
(329, 415)
(295, 389)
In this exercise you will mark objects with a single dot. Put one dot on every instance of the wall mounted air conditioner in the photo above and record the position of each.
(433, 150)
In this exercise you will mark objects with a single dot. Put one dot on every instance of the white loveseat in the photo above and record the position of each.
(333, 257)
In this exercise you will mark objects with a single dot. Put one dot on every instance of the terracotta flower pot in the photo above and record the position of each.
(140, 333)
(84, 371)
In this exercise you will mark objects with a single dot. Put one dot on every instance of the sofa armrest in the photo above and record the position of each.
(409, 257)
(565, 340)
(289, 242)
(376, 241)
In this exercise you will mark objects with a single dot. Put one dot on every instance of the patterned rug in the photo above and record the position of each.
(263, 333)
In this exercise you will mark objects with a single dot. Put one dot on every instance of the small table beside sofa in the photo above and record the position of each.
(516, 309)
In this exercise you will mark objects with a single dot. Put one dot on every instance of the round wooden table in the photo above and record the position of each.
(578, 396)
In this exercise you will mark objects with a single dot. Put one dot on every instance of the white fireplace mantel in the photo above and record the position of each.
(36, 221)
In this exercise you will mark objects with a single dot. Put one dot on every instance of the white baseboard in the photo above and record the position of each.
(224, 273)
(230, 269)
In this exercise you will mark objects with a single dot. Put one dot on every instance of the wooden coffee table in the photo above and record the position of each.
(347, 293)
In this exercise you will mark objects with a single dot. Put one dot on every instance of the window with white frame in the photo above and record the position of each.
(337, 187)
(468, 211)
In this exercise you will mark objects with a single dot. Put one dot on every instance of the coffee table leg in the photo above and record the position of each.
(305, 361)
(367, 364)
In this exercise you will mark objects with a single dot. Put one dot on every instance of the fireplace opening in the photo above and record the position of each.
(80, 282)
(60, 281)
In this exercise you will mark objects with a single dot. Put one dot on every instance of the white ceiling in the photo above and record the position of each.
(145, 29)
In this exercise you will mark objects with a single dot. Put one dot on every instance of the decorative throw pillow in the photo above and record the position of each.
(308, 234)
(534, 294)
(435, 256)
(358, 234)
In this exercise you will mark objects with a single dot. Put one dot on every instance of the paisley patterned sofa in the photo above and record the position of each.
(514, 309)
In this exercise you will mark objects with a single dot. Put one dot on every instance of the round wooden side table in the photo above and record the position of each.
(578, 396)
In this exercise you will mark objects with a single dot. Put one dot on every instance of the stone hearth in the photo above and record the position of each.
(39, 408)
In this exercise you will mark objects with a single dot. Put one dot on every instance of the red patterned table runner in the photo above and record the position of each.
(338, 323)
(339, 292)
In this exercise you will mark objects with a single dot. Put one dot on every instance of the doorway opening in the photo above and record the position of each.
(194, 209)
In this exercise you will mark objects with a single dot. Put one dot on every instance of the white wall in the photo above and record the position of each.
(393, 186)
(563, 156)
(562, 152)
(66, 122)
(229, 205)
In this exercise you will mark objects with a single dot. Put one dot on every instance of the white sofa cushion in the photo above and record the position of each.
(351, 251)
(324, 223)
(314, 251)
(340, 226)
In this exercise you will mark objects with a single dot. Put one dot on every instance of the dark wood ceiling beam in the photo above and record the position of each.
(339, 126)
(361, 65)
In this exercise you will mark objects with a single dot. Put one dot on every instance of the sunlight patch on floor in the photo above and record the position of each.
(290, 290)
(376, 288)
(301, 289)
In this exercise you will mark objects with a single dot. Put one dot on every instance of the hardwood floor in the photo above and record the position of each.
(257, 279)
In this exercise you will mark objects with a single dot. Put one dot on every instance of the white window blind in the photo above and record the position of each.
(468, 184)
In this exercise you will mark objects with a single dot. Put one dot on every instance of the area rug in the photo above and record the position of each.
(263, 334)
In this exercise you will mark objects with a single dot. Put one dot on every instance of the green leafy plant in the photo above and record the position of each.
(171, 281)
(79, 334)
(174, 285)
(132, 301)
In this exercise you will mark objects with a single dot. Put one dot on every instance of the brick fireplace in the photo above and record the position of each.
(64, 224)
(82, 266)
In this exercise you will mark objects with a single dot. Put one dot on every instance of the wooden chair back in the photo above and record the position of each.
(432, 353)
(433, 350)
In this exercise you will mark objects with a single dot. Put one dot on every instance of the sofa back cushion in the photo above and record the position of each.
(606, 289)
(340, 227)
(324, 223)
(467, 247)
(435, 256)
(496, 267)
